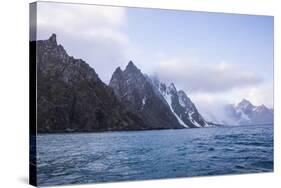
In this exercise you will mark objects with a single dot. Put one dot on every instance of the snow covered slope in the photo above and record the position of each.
(179, 103)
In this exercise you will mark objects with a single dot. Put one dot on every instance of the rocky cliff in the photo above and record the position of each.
(159, 105)
(135, 91)
(71, 97)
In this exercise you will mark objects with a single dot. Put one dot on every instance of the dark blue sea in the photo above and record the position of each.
(139, 155)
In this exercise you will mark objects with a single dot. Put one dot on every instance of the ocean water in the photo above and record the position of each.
(139, 155)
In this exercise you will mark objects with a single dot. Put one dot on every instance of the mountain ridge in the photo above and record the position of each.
(245, 113)
(72, 98)
(177, 109)
(134, 90)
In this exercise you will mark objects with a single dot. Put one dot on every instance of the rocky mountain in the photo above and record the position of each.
(245, 113)
(71, 97)
(135, 91)
(180, 104)
(159, 105)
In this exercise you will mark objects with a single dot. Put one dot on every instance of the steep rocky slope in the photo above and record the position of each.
(135, 91)
(71, 97)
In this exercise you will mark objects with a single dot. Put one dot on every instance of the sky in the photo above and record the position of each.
(215, 58)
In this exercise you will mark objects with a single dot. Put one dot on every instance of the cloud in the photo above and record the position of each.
(96, 34)
(80, 17)
(212, 108)
(204, 77)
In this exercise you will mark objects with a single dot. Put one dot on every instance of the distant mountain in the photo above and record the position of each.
(245, 113)
(135, 91)
(71, 97)
(161, 106)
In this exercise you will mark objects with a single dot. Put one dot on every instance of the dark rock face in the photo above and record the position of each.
(182, 107)
(138, 94)
(71, 97)
(159, 105)
(245, 113)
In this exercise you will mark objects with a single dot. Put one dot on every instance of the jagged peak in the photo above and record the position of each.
(261, 107)
(53, 38)
(131, 63)
(181, 92)
(172, 87)
(117, 73)
(131, 67)
(244, 102)
(118, 69)
(183, 95)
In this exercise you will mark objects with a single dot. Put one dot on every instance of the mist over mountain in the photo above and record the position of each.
(242, 113)
(245, 113)
(71, 97)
